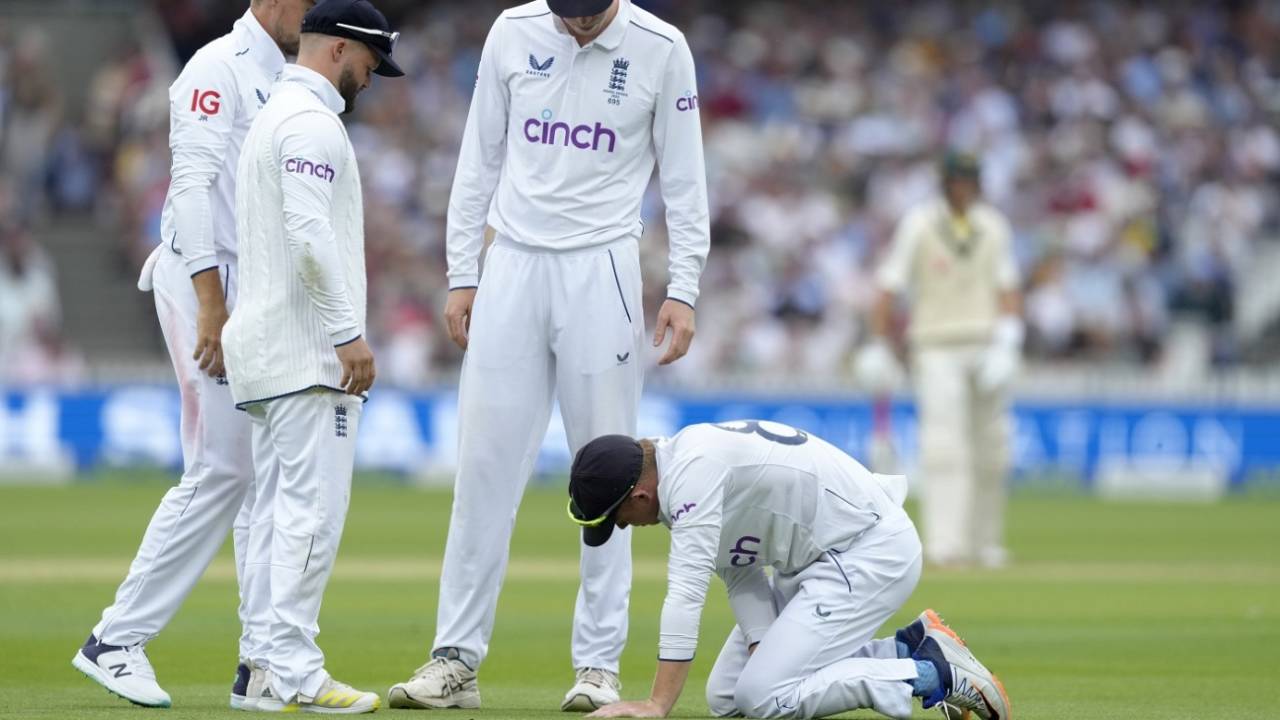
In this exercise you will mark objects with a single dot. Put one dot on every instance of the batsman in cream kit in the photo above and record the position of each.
(576, 103)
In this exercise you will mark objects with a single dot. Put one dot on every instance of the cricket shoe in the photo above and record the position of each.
(965, 686)
(123, 670)
(595, 688)
(240, 687)
(261, 697)
(444, 682)
(930, 624)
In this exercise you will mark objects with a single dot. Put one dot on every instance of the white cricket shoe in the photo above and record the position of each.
(333, 698)
(261, 697)
(339, 698)
(965, 684)
(444, 682)
(594, 689)
(240, 687)
(123, 671)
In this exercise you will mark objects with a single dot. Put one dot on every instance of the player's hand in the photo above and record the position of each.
(357, 366)
(876, 367)
(678, 317)
(208, 355)
(637, 709)
(457, 314)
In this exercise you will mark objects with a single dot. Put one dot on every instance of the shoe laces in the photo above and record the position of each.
(440, 669)
(138, 663)
(598, 677)
(965, 696)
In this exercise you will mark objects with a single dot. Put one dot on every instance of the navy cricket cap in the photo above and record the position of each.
(604, 472)
(578, 8)
(356, 20)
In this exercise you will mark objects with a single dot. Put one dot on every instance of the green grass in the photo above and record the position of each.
(1123, 611)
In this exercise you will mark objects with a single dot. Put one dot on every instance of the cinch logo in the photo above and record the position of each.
(208, 102)
(741, 555)
(687, 103)
(306, 167)
(583, 137)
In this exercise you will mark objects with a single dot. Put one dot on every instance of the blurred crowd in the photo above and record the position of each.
(1132, 144)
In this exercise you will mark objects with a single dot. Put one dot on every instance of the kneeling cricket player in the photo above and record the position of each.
(743, 495)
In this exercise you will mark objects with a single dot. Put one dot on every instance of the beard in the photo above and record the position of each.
(348, 88)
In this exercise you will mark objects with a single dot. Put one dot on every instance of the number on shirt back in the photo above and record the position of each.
(771, 431)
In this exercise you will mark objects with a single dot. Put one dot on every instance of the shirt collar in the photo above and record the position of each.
(612, 36)
(316, 83)
(265, 50)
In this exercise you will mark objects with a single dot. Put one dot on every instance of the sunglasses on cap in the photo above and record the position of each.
(577, 515)
(393, 37)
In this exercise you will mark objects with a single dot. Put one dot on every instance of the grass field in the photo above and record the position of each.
(1124, 611)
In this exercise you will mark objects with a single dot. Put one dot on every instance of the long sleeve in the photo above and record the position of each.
(682, 174)
(751, 600)
(479, 166)
(311, 152)
(202, 113)
(695, 540)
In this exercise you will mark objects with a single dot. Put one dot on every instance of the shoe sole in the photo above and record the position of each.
(581, 702)
(98, 675)
(357, 709)
(400, 699)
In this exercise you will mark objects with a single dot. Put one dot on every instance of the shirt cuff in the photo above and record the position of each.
(197, 265)
(684, 296)
(457, 282)
(669, 654)
(345, 336)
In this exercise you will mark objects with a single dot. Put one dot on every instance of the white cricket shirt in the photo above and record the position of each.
(954, 269)
(300, 218)
(741, 495)
(211, 106)
(561, 141)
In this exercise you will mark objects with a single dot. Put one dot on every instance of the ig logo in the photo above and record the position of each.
(741, 555)
(207, 102)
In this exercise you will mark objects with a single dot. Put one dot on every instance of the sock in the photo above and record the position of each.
(927, 682)
(904, 652)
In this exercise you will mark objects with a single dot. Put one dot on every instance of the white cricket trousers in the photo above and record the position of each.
(545, 324)
(213, 495)
(818, 658)
(964, 448)
(304, 446)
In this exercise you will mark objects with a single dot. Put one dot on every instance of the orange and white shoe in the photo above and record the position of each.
(966, 686)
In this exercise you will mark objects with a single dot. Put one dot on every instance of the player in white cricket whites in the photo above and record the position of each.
(954, 257)
(740, 496)
(575, 102)
(193, 276)
(295, 349)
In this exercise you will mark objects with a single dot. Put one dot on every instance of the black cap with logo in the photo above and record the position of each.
(578, 8)
(603, 474)
(356, 20)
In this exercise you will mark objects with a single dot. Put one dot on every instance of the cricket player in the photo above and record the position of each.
(954, 257)
(740, 496)
(575, 103)
(193, 277)
(295, 349)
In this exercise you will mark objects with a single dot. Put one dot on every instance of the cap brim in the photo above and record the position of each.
(600, 534)
(388, 67)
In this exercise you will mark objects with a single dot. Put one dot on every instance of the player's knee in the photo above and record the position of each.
(720, 702)
(762, 700)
